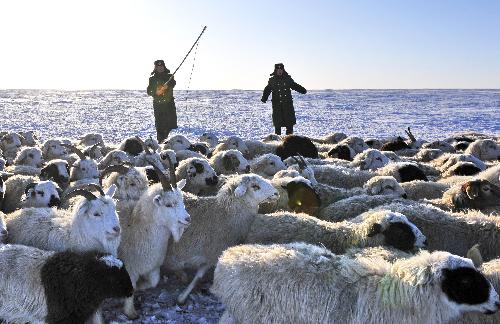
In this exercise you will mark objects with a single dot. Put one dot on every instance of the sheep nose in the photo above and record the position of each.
(247, 169)
(54, 201)
(404, 196)
(117, 229)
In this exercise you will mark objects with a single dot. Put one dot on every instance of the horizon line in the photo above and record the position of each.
(236, 89)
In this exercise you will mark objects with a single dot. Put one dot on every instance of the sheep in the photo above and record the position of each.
(342, 151)
(152, 144)
(31, 156)
(232, 143)
(491, 174)
(302, 283)
(159, 214)
(395, 145)
(340, 176)
(217, 223)
(92, 225)
(452, 232)
(332, 138)
(26, 191)
(440, 145)
(374, 143)
(29, 138)
(427, 155)
(177, 143)
(130, 182)
(199, 175)
(418, 189)
(300, 165)
(356, 143)
(272, 138)
(131, 146)
(461, 168)
(403, 171)
(53, 149)
(89, 139)
(267, 165)
(382, 228)
(447, 161)
(209, 138)
(10, 144)
(491, 270)
(370, 159)
(229, 162)
(484, 149)
(57, 287)
(257, 148)
(296, 145)
(186, 154)
(83, 169)
(473, 194)
(56, 170)
(201, 147)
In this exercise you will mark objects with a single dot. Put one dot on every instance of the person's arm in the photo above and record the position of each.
(171, 83)
(267, 92)
(297, 87)
(150, 90)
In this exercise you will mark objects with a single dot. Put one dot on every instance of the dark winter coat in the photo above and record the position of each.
(164, 105)
(283, 111)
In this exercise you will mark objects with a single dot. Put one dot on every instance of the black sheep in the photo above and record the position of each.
(294, 145)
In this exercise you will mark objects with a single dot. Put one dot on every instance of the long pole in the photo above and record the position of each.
(185, 57)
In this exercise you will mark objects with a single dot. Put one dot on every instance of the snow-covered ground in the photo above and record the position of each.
(117, 114)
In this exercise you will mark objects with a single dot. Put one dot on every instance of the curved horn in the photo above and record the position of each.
(122, 169)
(410, 135)
(30, 185)
(80, 192)
(302, 164)
(171, 168)
(75, 150)
(163, 178)
(144, 146)
(94, 186)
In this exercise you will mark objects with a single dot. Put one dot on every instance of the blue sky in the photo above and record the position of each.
(323, 44)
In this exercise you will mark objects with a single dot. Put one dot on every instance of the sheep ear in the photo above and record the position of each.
(240, 190)
(472, 191)
(374, 230)
(181, 184)
(156, 201)
(111, 190)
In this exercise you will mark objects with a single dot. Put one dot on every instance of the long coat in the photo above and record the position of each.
(164, 105)
(283, 110)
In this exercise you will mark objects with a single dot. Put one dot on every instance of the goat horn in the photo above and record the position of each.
(304, 163)
(112, 168)
(171, 168)
(31, 185)
(80, 192)
(410, 135)
(163, 178)
(75, 150)
(144, 146)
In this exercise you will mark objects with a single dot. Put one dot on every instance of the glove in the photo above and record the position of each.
(263, 100)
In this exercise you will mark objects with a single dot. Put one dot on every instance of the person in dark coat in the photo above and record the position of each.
(163, 100)
(280, 84)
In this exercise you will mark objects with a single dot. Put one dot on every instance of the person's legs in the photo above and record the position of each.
(277, 130)
(162, 129)
(289, 130)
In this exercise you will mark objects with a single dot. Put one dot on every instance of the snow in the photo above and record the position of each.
(117, 114)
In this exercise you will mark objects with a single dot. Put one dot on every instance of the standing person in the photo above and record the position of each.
(163, 100)
(280, 84)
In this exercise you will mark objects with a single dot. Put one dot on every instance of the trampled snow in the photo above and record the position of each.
(116, 114)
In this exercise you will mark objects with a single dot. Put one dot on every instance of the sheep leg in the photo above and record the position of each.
(128, 306)
(199, 274)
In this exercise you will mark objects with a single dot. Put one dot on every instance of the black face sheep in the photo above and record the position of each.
(381, 228)
(374, 143)
(26, 191)
(229, 162)
(199, 175)
(66, 287)
(300, 283)
(342, 151)
(131, 146)
(395, 145)
(403, 171)
(296, 145)
(58, 171)
(217, 223)
(473, 194)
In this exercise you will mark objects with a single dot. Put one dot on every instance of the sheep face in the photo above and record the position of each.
(93, 152)
(30, 156)
(58, 171)
(3, 229)
(396, 231)
(392, 156)
(10, 142)
(267, 164)
(426, 155)
(152, 144)
(334, 138)
(130, 185)
(84, 169)
(209, 138)
(236, 143)
(374, 143)
(230, 162)
(42, 194)
(484, 149)
(90, 139)
(252, 188)
(98, 218)
(478, 194)
(131, 146)
(52, 149)
(201, 148)
(115, 157)
(177, 143)
(356, 143)
(198, 173)
(342, 151)
(170, 211)
(302, 198)
(370, 159)
(170, 154)
(384, 185)
(463, 287)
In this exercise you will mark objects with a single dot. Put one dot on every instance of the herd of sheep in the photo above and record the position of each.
(293, 229)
